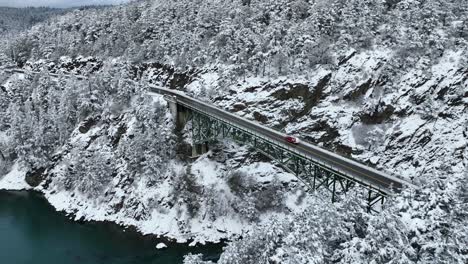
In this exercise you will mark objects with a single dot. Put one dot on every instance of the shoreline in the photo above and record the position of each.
(85, 211)
(113, 226)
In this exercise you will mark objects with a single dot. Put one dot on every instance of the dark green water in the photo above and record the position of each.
(31, 232)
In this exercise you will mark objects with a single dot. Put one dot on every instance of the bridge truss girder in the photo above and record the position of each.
(206, 129)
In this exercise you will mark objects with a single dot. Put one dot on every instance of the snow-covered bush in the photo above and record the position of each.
(239, 182)
(252, 198)
(269, 197)
(187, 191)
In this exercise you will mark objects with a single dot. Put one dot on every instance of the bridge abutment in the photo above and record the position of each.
(181, 115)
(172, 104)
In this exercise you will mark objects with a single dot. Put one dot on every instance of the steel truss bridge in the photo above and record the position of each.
(315, 167)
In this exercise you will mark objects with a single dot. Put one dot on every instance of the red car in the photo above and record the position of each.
(292, 140)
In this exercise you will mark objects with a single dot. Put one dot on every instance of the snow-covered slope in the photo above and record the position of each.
(382, 82)
(125, 165)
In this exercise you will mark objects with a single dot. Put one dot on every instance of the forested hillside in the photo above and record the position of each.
(18, 19)
(255, 37)
(383, 82)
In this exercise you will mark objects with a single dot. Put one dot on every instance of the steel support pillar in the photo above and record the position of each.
(333, 189)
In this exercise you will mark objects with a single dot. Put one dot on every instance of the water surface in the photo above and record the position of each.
(31, 231)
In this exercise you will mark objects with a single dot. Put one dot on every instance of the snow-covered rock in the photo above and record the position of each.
(161, 246)
(14, 180)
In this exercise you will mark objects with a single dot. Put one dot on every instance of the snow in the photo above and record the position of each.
(3, 137)
(161, 222)
(374, 160)
(424, 139)
(161, 246)
(375, 141)
(14, 180)
(208, 171)
(414, 224)
(204, 84)
(267, 172)
(173, 222)
(347, 78)
(409, 126)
